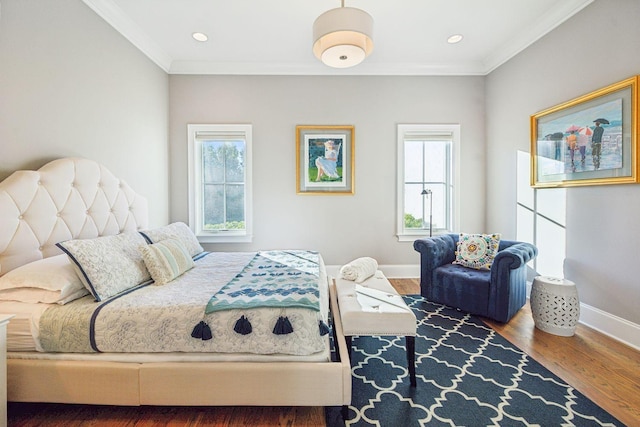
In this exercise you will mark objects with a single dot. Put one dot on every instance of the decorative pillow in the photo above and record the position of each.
(166, 260)
(108, 265)
(477, 250)
(49, 280)
(179, 231)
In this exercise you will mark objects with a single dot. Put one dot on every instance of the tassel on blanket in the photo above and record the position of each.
(283, 326)
(243, 326)
(202, 331)
(324, 329)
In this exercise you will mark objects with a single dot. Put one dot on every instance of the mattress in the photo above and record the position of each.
(191, 292)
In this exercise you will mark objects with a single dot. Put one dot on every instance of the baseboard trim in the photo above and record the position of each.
(613, 326)
(606, 323)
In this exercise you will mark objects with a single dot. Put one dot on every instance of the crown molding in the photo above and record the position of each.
(114, 16)
(317, 68)
(538, 29)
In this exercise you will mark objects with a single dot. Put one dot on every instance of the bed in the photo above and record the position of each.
(73, 201)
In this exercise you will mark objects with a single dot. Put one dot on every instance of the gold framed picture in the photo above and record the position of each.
(325, 159)
(590, 140)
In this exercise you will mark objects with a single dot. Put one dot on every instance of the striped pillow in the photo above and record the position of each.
(166, 260)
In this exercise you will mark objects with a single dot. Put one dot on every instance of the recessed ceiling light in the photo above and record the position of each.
(201, 37)
(456, 38)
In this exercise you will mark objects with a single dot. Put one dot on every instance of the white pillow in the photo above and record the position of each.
(359, 269)
(108, 265)
(49, 280)
(39, 295)
(179, 231)
(166, 260)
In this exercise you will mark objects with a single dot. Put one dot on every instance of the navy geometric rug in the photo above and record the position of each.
(467, 374)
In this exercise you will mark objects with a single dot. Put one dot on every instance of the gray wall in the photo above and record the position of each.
(70, 85)
(341, 227)
(597, 47)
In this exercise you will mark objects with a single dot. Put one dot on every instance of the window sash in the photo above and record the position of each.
(410, 185)
(200, 181)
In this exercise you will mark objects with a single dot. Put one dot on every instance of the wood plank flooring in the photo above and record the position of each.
(599, 367)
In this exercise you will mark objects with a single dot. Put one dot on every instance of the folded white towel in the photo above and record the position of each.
(359, 269)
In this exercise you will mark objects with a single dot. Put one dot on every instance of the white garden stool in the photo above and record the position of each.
(554, 305)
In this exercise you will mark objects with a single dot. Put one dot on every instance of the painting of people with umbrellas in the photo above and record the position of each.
(591, 140)
(588, 139)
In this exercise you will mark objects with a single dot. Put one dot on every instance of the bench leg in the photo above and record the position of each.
(411, 358)
(345, 412)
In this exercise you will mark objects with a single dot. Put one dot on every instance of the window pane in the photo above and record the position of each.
(435, 160)
(235, 207)
(413, 161)
(413, 206)
(524, 224)
(212, 159)
(234, 161)
(552, 204)
(213, 206)
(524, 192)
(439, 207)
(550, 240)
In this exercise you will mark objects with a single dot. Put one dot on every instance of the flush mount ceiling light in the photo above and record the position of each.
(342, 37)
(456, 38)
(201, 37)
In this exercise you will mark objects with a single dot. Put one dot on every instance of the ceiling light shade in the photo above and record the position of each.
(342, 37)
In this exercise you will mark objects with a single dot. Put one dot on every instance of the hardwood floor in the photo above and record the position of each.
(599, 367)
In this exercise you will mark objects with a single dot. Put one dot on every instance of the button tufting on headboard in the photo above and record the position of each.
(65, 199)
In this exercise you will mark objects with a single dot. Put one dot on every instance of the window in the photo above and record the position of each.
(541, 220)
(426, 180)
(220, 182)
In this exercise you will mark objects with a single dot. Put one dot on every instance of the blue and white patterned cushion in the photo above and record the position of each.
(179, 231)
(477, 250)
(166, 260)
(108, 265)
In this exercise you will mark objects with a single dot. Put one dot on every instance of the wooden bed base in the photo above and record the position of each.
(186, 383)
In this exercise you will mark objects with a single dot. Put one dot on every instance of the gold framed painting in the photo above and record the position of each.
(325, 159)
(589, 140)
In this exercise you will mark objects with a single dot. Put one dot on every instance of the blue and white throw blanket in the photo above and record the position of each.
(272, 279)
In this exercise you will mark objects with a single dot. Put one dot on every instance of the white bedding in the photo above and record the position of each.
(23, 327)
(173, 334)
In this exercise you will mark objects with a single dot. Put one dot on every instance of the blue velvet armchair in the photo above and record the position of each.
(497, 293)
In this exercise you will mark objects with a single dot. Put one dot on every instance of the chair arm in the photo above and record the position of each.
(436, 251)
(512, 258)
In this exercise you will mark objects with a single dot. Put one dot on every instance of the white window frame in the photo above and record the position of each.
(429, 131)
(195, 182)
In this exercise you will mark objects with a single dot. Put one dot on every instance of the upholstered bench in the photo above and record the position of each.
(373, 307)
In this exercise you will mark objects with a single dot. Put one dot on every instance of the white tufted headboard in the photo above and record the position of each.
(65, 199)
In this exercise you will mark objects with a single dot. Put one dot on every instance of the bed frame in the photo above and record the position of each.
(79, 198)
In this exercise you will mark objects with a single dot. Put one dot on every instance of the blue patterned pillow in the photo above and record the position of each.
(477, 250)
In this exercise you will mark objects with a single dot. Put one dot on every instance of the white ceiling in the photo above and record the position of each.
(274, 37)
